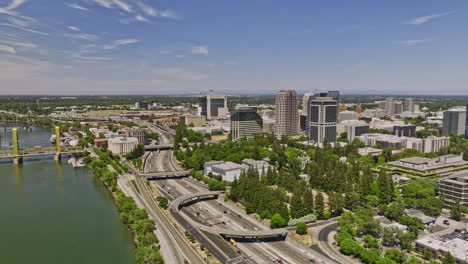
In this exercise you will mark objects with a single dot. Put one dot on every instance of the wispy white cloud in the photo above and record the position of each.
(425, 19)
(19, 22)
(90, 58)
(18, 44)
(413, 42)
(118, 43)
(77, 6)
(168, 14)
(151, 11)
(73, 28)
(14, 4)
(115, 4)
(147, 9)
(122, 5)
(83, 36)
(25, 29)
(7, 49)
(199, 50)
(141, 18)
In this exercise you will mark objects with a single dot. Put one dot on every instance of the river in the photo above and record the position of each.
(52, 213)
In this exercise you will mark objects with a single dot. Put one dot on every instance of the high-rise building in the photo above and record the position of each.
(466, 123)
(245, 123)
(138, 133)
(434, 144)
(286, 113)
(305, 100)
(404, 130)
(455, 188)
(322, 117)
(213, 106)
(408, 105)
(454, 121)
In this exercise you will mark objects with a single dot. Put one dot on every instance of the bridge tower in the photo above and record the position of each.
(58, 148)
(15, 141)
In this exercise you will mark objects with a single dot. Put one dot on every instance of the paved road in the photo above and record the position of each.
(175, 238)
(325, 245)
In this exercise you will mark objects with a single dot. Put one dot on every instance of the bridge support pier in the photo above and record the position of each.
(57, 156)
(17, 160)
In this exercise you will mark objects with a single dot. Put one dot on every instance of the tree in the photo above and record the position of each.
(144, 255)
(297, 206)
(385, 184)
(301, 228)
(336, 203)
(319, 205)
(308, 201)
(413, 260)
(277, 221)
(371, 242)
(456, 211)
(448, 258)
(396, 255)
(390, 236)
(394, 210)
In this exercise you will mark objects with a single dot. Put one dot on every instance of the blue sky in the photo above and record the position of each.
(235, 47)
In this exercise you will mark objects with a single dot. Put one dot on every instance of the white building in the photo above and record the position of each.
(353, 128)
(122, 145)
(347, 115)
(227, 170)
(434, 144)
(260, 165)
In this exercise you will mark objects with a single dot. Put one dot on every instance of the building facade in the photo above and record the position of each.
(322, 117)
(140, 134)
(122, 145)
(213, 106)
(434, 144)
(229, 171)
(454, 122)
(454, 188)
(404, 130)
(286, 113)
(408, 105)
(196, 121)
(353, 128)
(245, 123)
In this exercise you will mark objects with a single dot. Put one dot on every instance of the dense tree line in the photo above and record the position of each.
(136, 219)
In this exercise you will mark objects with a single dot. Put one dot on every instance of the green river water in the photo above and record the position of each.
(52, 213)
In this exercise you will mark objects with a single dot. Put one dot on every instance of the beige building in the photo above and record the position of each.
(122, 145)
(140, 134)
(286, 113)
(197, 121)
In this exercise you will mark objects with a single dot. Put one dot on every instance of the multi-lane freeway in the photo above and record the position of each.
(218, 214)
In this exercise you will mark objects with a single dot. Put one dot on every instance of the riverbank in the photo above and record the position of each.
(107, 169)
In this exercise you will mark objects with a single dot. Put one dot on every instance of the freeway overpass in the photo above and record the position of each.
(166, 174)
(177, 204)
(159, 147)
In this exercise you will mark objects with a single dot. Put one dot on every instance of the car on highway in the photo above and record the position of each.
(272, 259)
(280, 261)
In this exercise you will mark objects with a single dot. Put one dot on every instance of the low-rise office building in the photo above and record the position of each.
(353, 128)
(227, 170)
(444, 165)
(122, 145)
(196, 121)
(455, 243)
(455, 188)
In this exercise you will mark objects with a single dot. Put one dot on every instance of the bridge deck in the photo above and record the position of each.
(178, 203)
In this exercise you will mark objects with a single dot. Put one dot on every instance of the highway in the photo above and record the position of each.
(216, 213)
(179, 245)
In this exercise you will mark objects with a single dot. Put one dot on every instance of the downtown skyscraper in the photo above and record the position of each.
(286, 113)
(322, 117)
